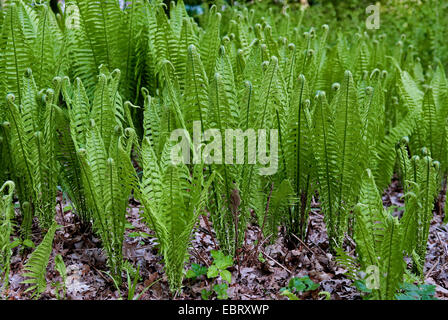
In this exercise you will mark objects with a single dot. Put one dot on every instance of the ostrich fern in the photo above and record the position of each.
(378, 238)
(31, 137)
(421, 184)
(35, 269)
(6, 215)
(173, 200)
(102, 148)
(70, 84)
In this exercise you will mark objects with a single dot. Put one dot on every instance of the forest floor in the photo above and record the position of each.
(257, 278)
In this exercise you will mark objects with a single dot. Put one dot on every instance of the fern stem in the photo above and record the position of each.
(103, 20)
(98, 212)
(344, 144)
(18, 77)
(42, 46)
(327, 176)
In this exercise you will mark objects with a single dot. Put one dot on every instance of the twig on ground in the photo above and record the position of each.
(428, 274)
(442, 243)
(303, 243)
(275, 261)
(100, 273)
(209, 229)
(200, 257)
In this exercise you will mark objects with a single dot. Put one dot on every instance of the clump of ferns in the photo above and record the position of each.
(102, 147)
(339, 152)
(108, 179)
(379, 242)
(420, 178)
(173, 198)
(31, 129)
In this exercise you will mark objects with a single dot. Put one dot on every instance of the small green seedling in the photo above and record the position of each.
(411, 291)
(221, 263)
(132, 276)
(27, 243)
(206, 294)
(140, 234)
(297, 286)
(218, 269)
(362, 287)
(196, 271)
(221, 291)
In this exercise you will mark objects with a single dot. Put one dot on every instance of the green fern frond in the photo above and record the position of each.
(16, 54)
(35, 269)
(6, 227)
(327, 159)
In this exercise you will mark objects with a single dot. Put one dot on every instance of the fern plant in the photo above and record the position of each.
(378, 238)
(16, 52)
(298, 154)
(31, 137)
(31, 37)
(339, 155)
(103, 149)
(253, 66)
(420, 179)
(6, 224)
(94, 38)
(386, 157)
(35, 269)
(173, 201)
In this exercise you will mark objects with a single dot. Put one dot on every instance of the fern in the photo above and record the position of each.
(173, 202)
(378, 241)
(326, 155)
(16, 54)
(35, 269)
(32, 139)
(420, 178)
(6, 224)
(299, 153)
(105, 174)
(71, 83)
(386, 157)
(48, 46)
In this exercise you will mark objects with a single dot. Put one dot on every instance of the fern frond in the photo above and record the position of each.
(35, 269)
(327, 159)
(6, 227)
(392, 263)
(385, 158)
(16, 55)
(210, 41)
(47, 47)
(196, 90)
